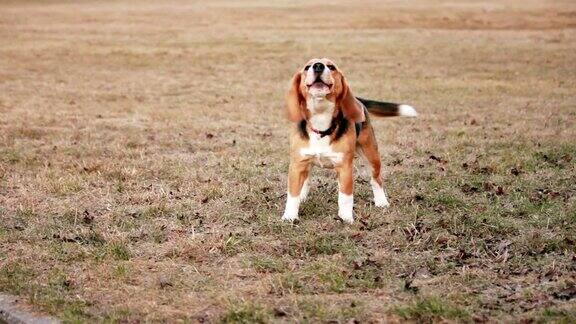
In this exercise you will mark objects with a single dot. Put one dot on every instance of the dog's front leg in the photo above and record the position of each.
(297, 176)
(345, 192)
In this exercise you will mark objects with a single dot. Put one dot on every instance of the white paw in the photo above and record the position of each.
(346, 207)
(289, 217)
(346, 217)
(381, 201)
(291, 211)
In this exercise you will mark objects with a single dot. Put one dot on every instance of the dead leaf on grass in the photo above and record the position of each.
(164, 282)
(87, 218)
(437, 159)
(567, 293)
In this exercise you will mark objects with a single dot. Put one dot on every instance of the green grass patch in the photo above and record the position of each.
(245, 313)
(431, 309)
(557, 315)
(14, 277)
(308, 310)
(265, 264)
(288, 283)
(236, 243)
(120, 251)
(323, 245)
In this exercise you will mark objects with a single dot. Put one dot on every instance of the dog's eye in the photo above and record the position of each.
(331, 67)
(306, 67)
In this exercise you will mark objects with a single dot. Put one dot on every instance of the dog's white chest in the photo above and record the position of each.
(320, 152)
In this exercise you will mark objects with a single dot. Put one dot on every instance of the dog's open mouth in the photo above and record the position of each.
(320, 85)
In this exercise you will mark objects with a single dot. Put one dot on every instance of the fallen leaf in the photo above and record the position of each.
(437, 159)
(279, 312)
(567, 293)
(164, 282)
(515, 171)
(409, 287)
(466, 188)
(88, 218)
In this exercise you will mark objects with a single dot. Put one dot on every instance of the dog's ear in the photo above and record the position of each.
(349, 105)
(295, 100)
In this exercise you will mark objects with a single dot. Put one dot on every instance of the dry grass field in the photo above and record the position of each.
(143, 160)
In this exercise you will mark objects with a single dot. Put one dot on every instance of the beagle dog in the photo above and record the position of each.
(330, 126)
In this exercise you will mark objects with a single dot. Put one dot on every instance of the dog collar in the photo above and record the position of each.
(333, 125)
(326, 132)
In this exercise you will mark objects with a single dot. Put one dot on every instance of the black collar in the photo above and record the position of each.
(326, 132)
(339, 125)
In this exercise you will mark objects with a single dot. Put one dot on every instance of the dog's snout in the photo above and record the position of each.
(318, 67)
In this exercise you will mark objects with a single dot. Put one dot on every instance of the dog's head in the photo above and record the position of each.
(320, 79)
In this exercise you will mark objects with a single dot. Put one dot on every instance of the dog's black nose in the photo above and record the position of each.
(318, 67)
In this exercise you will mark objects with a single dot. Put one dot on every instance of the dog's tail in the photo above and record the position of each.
(388, 109)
